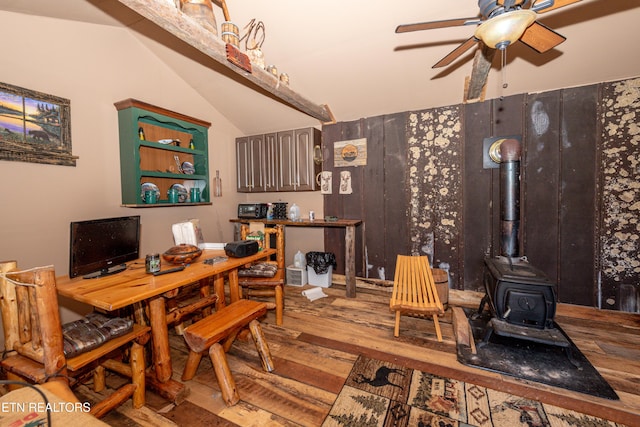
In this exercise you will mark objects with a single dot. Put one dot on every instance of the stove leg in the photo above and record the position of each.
(487, 335)
(484, 301)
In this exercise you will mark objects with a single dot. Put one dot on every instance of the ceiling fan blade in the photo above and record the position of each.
(455, 53)
(479, 73)
(541, 38)
(542, 6)
(436, 24)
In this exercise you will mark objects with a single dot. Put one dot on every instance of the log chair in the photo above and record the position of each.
(216, 334)
(34, 340)
(260, 286)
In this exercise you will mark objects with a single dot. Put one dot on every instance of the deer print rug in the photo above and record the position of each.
(378, 393)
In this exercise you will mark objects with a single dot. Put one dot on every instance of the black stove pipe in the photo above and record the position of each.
(509, 197)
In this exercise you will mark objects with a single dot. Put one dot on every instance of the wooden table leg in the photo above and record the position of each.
(218, 288)
(234, 286)
(160, 336)
(159, 379)
(350, 260)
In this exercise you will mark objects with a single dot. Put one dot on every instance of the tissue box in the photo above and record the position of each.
(296, 276)
(322, 280)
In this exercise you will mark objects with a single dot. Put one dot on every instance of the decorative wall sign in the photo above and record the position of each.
(34, 127)
(350, 153)
(324, 180)
(345, 182)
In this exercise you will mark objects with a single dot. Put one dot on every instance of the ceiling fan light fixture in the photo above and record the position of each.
(503, 30)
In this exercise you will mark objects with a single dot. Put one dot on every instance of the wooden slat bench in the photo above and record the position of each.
(223, 326)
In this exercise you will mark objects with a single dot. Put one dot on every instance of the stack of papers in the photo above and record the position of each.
(187, 232)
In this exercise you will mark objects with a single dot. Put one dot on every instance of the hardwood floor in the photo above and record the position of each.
(319, 341)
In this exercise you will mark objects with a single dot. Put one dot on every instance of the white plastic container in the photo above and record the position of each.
(322, 280)
(299, 260)
(296, 276)
(294, 213)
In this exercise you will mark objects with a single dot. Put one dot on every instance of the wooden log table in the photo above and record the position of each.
(349, 242)
(134, 286)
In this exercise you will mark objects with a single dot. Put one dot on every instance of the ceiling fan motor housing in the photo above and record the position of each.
(490, 8)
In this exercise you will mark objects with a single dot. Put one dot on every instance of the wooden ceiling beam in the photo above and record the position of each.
(169, 18)
(476, 84)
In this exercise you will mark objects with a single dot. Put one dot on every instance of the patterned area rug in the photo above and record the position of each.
(380, 393)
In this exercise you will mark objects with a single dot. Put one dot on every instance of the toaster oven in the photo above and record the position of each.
(252, 210)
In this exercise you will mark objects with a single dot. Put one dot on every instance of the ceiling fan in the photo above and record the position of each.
(501, 23)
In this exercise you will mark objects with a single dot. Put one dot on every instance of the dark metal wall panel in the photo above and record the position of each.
(332, 204)
(540, 178)
(579, 189)
(435, 184)
(352, 204)
(620, 166)
(396, 198)
(495, 118)
(342, 205)
(477, 197)
(331, 133)
(578, 196)
(373, 200)
(378, 197)
(506, 120)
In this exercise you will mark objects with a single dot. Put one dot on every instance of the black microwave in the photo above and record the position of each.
(252, 210)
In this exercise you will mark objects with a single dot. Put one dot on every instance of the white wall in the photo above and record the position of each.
(94, 66)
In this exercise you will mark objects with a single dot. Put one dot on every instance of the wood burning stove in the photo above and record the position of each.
(519, 293)
(522, 300)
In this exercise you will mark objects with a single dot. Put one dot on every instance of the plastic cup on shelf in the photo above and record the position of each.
(172, 194)
(150, 197)
(195, 195)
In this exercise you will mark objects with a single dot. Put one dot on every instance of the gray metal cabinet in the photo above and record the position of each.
(286, 161)
(281, 161)
(271, 161)
(250, 164)
(307, 169)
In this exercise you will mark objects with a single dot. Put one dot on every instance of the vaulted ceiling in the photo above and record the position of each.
(346, 54)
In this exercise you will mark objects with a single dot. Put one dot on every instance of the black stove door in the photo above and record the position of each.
(525, 305)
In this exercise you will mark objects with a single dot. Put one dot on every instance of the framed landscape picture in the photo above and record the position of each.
(34, 127)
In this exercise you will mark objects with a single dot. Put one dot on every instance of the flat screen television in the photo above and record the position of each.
(101, 247)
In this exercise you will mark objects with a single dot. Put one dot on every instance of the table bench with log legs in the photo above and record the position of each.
(133, 287)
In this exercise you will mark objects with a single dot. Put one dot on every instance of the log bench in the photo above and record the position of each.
(216, 334)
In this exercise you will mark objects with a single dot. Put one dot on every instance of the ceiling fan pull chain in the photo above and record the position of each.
(503, 72)
(504, 69)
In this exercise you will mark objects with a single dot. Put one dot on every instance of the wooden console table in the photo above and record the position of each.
(349, 241)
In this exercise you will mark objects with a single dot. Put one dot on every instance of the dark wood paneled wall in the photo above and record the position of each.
(619, 226)
(424, 189)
